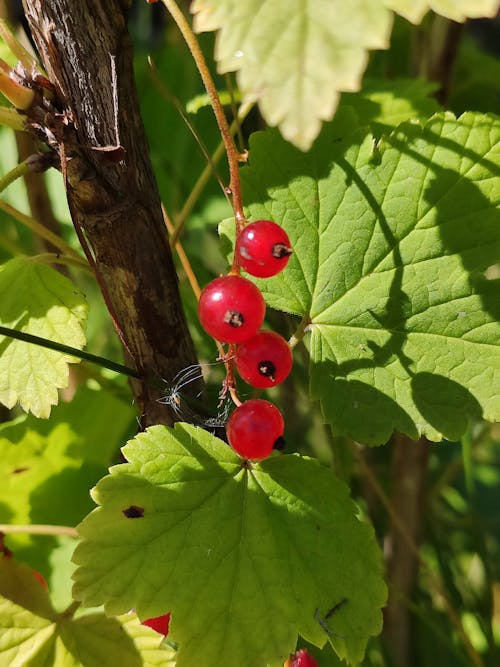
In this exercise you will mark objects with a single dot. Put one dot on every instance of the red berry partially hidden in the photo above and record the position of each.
(254, 428)
(264, 360)
(231, 309)
(303, 659)
(159, 623)
(41, 579)
(263, 248)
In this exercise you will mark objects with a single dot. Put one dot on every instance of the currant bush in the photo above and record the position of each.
(231, 309)
(254, 428)
(264, 360)
(263, 248)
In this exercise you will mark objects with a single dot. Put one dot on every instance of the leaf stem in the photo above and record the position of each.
(55, 258)
(66, 349)
(182, 216)
(233, 155)
(40, 229)
(38, 529)
(11, 118)
(300, 331)
(19, 170)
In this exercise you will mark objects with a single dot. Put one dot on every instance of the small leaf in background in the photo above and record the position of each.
(32, 633)
(390, 244)
(245, 556)
(295, 58)
(385, 104)
(37, 300)
(456, 10)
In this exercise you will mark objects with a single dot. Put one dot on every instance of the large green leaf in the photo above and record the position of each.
(32, 634)
(295, 57)
(244, 555)
(456, 10)
(390, 244)
(37, 300)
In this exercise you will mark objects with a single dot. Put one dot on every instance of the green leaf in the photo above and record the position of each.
(384, 104)
(201, 101)
(295, 57)
(456, 10)
(391, 241)
(38, 300)
(244, 555)
(33, 634)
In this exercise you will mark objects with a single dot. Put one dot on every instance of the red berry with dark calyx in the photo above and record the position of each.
(303, 659)
(254, 428)
(159, 623)
(264, 360)
(231, 309)
(263, 248)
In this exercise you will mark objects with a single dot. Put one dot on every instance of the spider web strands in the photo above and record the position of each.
(188, 408)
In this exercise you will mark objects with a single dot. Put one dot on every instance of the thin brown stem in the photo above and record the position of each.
(233, 155)
(173, 99)
(182, 216)
(186, 264)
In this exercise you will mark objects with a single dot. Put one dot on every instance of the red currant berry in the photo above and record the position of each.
(263, 248)
(264, 360)
(231, 309)
(254, 428)
(159, 623)
(303, 659)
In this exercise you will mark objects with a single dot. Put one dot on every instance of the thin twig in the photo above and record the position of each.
(72, 351)
(185, 212)
(40, 230)
(186, 264)
(38, 529)
(19, 170)
(233, 155)
(300, 332)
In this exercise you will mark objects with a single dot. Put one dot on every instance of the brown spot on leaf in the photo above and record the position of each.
(134, 512)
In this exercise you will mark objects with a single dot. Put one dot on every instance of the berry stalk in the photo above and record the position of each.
(233, 155)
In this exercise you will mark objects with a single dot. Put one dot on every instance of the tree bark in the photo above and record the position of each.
(95, 126)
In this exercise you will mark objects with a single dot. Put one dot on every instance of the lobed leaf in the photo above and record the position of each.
(390, 240)
(295, 57)
(37, 300)
(456, 10)
(245, 556)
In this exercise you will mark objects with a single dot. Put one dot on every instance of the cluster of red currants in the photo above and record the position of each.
(231, 310)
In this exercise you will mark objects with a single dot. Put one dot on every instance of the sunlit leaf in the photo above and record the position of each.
(390, 244)
(37, 300)
(245, 556)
